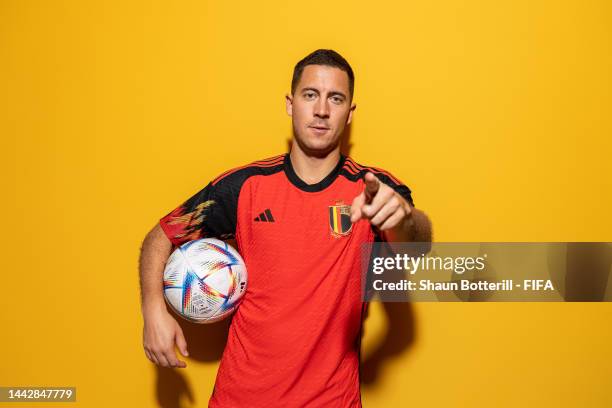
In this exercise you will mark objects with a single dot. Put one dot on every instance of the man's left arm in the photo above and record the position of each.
(391, 213)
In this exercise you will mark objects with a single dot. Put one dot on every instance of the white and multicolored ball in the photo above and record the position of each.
(204, 280)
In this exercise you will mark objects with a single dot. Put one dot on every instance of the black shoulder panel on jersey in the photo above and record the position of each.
(227, 189)
(212, 212)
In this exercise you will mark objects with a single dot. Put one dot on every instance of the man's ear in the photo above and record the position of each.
(350, 115)
(289, 104)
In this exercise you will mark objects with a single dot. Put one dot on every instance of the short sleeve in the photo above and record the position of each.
(400, 188)
(396, 185)
(405, 192)
(210, 213)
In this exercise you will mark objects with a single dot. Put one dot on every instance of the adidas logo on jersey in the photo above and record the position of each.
(265, 216)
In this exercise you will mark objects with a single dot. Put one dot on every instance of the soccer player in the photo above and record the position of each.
(299, 220)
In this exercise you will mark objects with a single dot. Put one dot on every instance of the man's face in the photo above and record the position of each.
(320, 108)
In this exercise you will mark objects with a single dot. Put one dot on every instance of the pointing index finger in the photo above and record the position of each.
(371, 188)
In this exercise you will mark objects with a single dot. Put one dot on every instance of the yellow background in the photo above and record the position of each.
(496, 114)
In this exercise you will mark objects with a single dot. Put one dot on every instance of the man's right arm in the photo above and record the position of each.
(210, 213)
(161, 331)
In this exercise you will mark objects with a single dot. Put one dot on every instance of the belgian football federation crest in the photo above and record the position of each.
(340, 220)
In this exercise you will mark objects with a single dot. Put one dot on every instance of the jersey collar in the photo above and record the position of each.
(299, 183)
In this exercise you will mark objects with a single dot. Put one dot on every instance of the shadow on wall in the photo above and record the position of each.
(582, 270)
(398, 338)
(172, 385)
(206, 343)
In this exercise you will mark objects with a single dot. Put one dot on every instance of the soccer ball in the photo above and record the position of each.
(204, 280)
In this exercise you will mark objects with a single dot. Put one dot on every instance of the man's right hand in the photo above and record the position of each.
(161, 332)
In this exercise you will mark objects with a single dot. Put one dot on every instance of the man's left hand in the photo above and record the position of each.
(381, 205)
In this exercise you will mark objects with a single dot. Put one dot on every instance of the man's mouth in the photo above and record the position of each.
(319, 127)
(318, 130)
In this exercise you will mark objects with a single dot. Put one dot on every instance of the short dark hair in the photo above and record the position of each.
(323, 57)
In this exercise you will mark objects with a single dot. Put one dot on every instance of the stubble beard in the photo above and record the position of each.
(315, 152)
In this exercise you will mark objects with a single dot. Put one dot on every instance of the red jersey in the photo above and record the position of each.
(294, 339)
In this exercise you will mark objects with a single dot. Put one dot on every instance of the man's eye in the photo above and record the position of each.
(309, 95)
(336, 99)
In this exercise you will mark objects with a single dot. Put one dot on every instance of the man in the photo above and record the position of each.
(294, 339)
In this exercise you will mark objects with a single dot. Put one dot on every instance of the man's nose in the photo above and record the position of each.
(321, 108)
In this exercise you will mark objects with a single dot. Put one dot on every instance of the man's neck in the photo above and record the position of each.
(312, 169)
